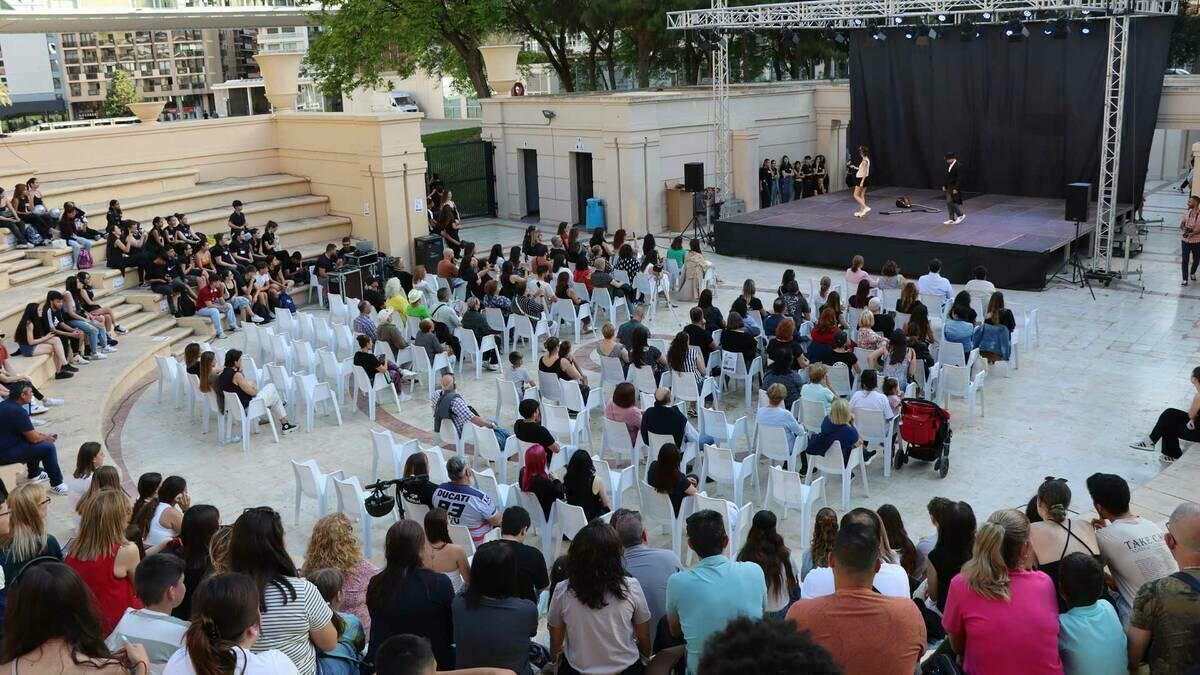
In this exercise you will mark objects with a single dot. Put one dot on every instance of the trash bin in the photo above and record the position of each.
(595, 214)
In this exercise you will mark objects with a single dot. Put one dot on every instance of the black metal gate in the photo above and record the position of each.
(468, 171)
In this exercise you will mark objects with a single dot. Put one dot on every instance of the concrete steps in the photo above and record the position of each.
(213, 221)
(99, 189)
(29, 275)
(215, 195)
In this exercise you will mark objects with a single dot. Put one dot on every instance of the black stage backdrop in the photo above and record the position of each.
(1025, 118)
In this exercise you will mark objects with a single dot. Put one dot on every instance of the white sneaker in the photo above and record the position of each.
(1142, 444)
(858, 214)
(79, 360)
(40, 478)
(257, 319)
(948, 222)
(108, 350)
(52, 402)
(60, 490)
(36, 408)
(98, 356)
(38, 422)
(960, 219)
(865, 212)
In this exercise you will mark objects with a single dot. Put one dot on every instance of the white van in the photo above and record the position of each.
(405, 102)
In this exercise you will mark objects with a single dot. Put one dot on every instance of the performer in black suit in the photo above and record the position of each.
(950, 187)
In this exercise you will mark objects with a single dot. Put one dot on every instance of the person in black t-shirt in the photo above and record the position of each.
(237, 219)
(698, 334)
(223, 260)
(842, 352)
(158, 276)
(529, 428)
(373, 295)
(531, 565)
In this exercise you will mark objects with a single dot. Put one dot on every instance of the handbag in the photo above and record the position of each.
(84, 261)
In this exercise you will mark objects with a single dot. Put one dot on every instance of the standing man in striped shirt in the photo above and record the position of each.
(1191, 238)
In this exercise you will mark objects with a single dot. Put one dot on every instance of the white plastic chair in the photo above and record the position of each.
(347, 344)
(616, 312)
(957, 381)
(336, 311)
(642, 377)
(565, 311)
(364, 384)
(475, 349)
(337, 373)
(182, 391)
(572, 398)
(656, 508)
(549, 387)
(559, 423)
(616, 438)
(685, 388)
(787, 490)
(654, 443)
(612, 372)
(812, 414)
(287, 322)
(525, 328)
(449, 434)
(873, 427)
(730, 520)
(310, 393)
(210, 407)
(506, 394)
(716, 424)
(733, 367)
(832, 463)
(495, 321)
(721, 466)
(568, 521)
(437, 465)
(248, 417)
(312, 482)
(257, 342)
(461, 535)
(307, 327)
(499, 491)
(615, 480)
(350, 497)
(167, 377)
(951, 354)
(305, 357)
(771, 443)
(839, 380)
(538, 522)
(488, 449)
(314, 284)
(383, 445)
(430, 371)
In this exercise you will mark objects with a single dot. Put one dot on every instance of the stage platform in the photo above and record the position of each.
(1021, 240)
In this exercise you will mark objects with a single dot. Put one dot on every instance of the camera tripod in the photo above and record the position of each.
(1079, 272)
(701, 223)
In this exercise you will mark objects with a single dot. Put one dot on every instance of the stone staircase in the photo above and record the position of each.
(27, 275)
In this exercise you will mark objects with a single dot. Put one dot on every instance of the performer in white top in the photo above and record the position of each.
(862, 171)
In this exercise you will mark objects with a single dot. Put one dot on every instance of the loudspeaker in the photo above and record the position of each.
(1079, 195)
(427, 251)
(693, 176)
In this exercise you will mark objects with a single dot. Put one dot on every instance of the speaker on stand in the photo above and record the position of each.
(700, 224)
(1079, 195)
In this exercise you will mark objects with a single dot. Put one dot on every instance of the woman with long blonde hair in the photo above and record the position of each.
(334, 545)
(26, 538)
(104, 558)
(995, 603)
(103, 478)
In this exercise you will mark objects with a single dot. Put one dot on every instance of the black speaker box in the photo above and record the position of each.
(1079, 195)
(693, 176)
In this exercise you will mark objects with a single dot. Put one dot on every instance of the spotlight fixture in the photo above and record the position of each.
(1057, 29)
(967, 31)
(858, 22)
(1086, 12)
(879, 35)
(839, 38)
(909, 33)
(898, 20)
(1027, 14)
(943, 18)
(1015, 31)
(930, 32)
(1085, 29)
(987, 16)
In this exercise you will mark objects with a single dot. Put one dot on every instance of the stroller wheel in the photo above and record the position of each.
(944, 468)
(898, 459)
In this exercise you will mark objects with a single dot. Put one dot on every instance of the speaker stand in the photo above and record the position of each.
(701, 227)
(1079, 273)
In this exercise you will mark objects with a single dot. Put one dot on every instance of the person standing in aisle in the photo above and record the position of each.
(1190, 225)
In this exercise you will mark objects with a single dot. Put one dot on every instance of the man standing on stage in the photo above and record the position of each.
(1191, 237)
(950, 187)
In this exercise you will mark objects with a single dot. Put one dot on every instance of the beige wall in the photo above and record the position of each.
(639, 142)
(371, 166)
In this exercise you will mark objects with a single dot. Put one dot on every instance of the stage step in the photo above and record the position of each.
(213, 221)
(99, 189)
(207, 196)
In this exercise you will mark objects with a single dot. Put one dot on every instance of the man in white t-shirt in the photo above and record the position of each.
(1133, 547)
(980, 284)
(935, 284)
(869, 397)
(465, 505)
(158, 582)
(891, 579)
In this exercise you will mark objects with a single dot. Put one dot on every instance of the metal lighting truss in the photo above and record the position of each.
(849, 14)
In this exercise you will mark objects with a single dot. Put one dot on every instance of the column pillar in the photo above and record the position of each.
(744, 166)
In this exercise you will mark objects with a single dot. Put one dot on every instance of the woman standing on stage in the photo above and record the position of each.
(862, 172)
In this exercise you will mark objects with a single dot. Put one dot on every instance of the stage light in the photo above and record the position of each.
(1058, 29)
(1028, 14)
(1085, 29)
(1015, 31)
(898, 20)
(839, 38)
(943, 18)
(879, 35)
(987, 16)
(858, 22)
(909, 33)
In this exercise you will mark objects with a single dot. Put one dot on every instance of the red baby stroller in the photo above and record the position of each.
(924, 434)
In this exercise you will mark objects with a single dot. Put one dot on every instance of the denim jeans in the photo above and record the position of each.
(501, 434)
(90, 331)
(77, 243)
(35, 457)
(214, 315)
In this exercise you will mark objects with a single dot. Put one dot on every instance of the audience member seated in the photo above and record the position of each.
(416, 305)
(979, 284)
(890, 277)
(372, 365)
(665, 419)
(736, 339)
(343, 659)
(994, 344)
(20, 444)
(765, 547)
(1165, 623)
(159, 584)
(713, 320)
(623, 407)
(884, 320)
(642, 354)
(651, 566)
(953, 548)
(158, 520)
(747, 645)
(861, 296)
(626, 330)
(1090, 637)
(934, 283)
(890, 579)
(889, 632)
(960, 322)
(389, 331)
(529, 429)
(694, 269)
(867, 338)
(558, 362)
(530, 578)
(443, 555)
(896, 359)
(417, 488)
(1058, 535)
(471, 508)
(795, 306)
(777, 414)
(363, 323)
(26, 538)
(583, 488)
(842, 352)
(535, 479)
(681, 358)
(995, 603)
(210, 303)
(826, 328)
(749, 308)
(1132, 547)
(474, 321)
(824, 531)
(104, 558)
(702, 600)
(334, 545)
(856, 274)
(53, 626)
(397, 298)
(869, 397)
(427, 339)
(295, 618)
(598, 619)
(493, 623)
(33, 339)
(909, 299)
(818, 389)
(665, 475)
(904, 550)
(838, 426)
(232, 381)
(1173, 425)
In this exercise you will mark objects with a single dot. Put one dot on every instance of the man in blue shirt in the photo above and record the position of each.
(464, 504)
(775, 415)
(19, 443)
(700, 601)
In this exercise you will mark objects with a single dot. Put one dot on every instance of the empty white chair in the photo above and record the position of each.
(616, 438)
(495, 321)
(567, 312)
(337, 373)
(612, 372)
(506, 394)
(957, 381)
(733, 367)
(210, 406)
(305, 357)
(617, 312)
(287, 322)
(642, 377)
(839, 379)
(459, 534)
(525, 328)
(254, 340)
(347, 344)
(539, 523)
(833, 463)
(323, 336)
(310, 393)
(787, 490)
(416, 513)
(716, 424)
(401, 452)
(307, 327)
(336, 313)
(771, 443)
(475, 349)
(167, 376)
(572, 398)
(568, 521)
(488, 448)
(311, 482)
(874, 428)
(685, 388)
(935, 303)
(182, 391)
(721, 466)
(615, 480)
(364, 384)
(382, 445)
(430, 371)
(350, 497)
(951, 354)
(558, 422)
(248, 417)
(549, 386)
(498, 491)
(437, 465)
(314, 284)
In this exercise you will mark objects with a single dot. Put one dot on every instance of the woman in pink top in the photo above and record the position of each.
(1000, 617)
(623, 408)
(856, 273)
(334, 545)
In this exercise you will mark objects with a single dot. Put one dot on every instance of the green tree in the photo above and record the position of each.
(121, 92)
(644, 30)
(1185, 41)
(599, 25)
(550, 23)
(364, 40)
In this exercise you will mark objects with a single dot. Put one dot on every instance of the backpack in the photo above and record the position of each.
(33, 236)
(286, 302)
(84, 261)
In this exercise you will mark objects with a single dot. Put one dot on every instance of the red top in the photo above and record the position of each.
(207, 296)
(113, 596)
(584, 277)
(821, 337)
